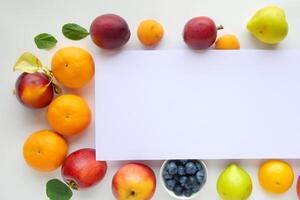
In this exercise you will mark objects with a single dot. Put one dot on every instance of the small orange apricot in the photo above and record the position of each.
(227, 42)
(150, 32)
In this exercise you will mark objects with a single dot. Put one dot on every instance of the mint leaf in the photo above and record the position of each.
(45, 41)
(57, 190)
(74, 31)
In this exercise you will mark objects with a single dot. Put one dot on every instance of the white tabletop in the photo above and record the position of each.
(22, 20)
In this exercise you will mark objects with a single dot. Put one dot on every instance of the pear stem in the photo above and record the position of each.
(220, 27)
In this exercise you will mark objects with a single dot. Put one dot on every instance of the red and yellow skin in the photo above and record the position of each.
(81, 170)
(34, 90)
(134, 181)
(298, 187)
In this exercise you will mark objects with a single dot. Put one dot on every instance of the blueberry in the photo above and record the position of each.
(183, 180)
(181, 170)
(183, 162)
(196, 188)
(176, 178)
(201, 173)
(200, 176)
(177, 162)
(166, 175)
(190, 168)
(187, 193)
(170, 184)
(190, 182)
(198, 165)
(178, 190)
(172, 168)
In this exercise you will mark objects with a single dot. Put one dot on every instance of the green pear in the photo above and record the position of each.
(269, 25)
(234, 183)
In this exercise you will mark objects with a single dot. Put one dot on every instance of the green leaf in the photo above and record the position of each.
(57, 190)
(74, 31)
(45, 41)
(28, 63)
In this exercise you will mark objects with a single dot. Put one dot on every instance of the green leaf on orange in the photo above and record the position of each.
(57, 190)
(28, 63)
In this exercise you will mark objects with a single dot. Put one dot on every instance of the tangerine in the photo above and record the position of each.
(45, 150)
(68, 114)
(73, 67)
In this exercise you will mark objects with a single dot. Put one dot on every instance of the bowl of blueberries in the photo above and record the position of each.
(183, 179)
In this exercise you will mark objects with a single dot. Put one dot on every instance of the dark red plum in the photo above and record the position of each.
(109, 31)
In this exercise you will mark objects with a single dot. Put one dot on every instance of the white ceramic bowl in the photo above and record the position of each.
(171, 193)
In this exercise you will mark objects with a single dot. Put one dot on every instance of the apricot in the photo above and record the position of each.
(150, 32)
(228, 41)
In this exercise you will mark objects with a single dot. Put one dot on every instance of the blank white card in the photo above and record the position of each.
(197, 105)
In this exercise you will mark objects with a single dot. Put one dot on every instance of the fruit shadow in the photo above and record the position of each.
(110, 52)
(198, 51)
(260, 45)
(88, 135)
(152, 47)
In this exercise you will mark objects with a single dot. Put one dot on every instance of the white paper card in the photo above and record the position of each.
(201, 105)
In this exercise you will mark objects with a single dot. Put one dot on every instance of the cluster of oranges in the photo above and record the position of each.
(67, 114)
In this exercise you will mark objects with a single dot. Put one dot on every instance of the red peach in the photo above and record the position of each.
(81, 170)
(34, 90)
(200, 32)
(134, 181)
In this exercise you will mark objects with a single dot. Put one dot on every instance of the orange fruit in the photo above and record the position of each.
(150, 32)
(73, 67)
(68, 114)
(228, 41)
(45, 150)
(276, 176)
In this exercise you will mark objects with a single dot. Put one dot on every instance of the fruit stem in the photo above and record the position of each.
(72, 184)
(50, 75)
(220, 27)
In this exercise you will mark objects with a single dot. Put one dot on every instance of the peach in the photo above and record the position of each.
(200, 32)
(34, 90)
(81, 170)
(134, 181)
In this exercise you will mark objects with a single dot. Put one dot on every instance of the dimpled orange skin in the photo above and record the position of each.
(227, 42)
(45, 150)
(73, 67)
(69, 114)
(150, 32)
(276, 176)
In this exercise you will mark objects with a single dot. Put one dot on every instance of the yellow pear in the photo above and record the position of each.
(269, 25)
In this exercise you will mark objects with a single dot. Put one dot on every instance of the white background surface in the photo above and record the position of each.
(22, 20)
